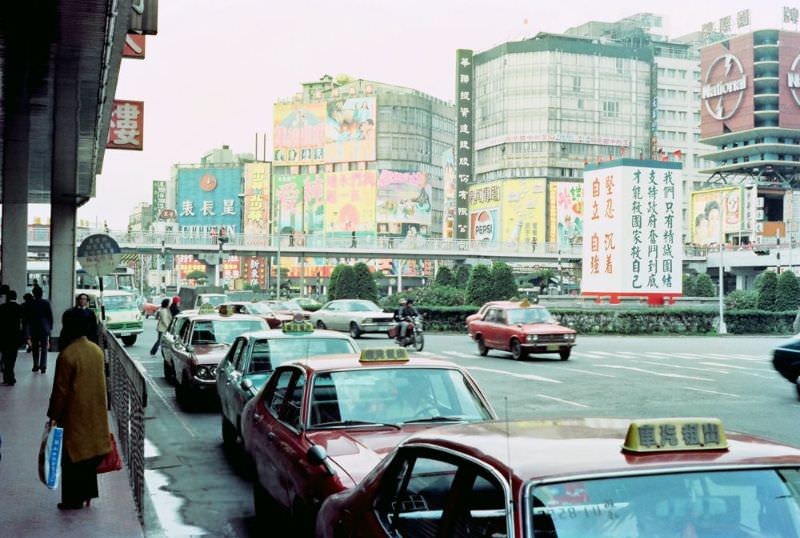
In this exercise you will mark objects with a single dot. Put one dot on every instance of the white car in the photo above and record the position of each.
(354, 315)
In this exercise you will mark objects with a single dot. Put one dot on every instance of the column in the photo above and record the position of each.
(14, 240)
(63, 219)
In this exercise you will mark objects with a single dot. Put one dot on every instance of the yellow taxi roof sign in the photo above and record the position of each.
(525, 303)
(226, 310)
(675, 435)
(206, 308)
(298, 327)
(393, 354)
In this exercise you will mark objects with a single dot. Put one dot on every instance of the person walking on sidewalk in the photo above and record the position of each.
(164, 318)
(174, 309)
(39, 325)
(81, 309)
(78, 404)
(11, 330)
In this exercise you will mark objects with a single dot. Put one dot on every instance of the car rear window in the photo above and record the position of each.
(270, 353)
(220, 331)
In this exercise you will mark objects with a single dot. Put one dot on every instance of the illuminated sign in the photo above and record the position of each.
(724, 87)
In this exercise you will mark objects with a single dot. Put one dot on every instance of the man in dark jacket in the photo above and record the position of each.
(11, 329)
(39, 325)
(82, 310)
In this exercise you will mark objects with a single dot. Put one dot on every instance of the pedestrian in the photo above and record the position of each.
(163, 319)
(78, 404)
(222, 237)
(213, 234)
(27, 302)
(353, 243)
(174, 308)
(82, 309)
(39, 324)
(35, 285)
(11, 329)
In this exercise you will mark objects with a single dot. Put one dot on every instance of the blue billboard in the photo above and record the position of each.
(209, 198)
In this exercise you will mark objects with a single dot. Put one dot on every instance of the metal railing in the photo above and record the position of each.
(127, 391)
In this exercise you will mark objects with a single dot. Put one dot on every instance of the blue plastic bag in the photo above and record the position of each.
(50, 455)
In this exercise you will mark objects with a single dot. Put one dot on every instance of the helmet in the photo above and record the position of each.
(176, 300)
(410, 301)
(403, 301)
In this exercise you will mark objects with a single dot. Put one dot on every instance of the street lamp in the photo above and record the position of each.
(722, 329)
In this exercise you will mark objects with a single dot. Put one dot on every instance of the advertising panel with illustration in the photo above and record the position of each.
(632, 232)
(565, 214)
(350, 201)
(298, 133)
(256, 199)
(403, 197)
(485, 200)
(715, 212)
(209, 197)
(350, 130)
(289, 203)
(523, 211)
(727, 86)
(314, 203)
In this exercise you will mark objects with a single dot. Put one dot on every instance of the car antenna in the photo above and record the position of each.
(508, 457)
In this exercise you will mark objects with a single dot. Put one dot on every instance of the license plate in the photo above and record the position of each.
(382, 327)
(553, 348)
(125, 334)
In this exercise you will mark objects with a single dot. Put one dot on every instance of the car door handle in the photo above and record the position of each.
(270, 436)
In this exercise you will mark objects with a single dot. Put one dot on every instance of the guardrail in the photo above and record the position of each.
(127, 397)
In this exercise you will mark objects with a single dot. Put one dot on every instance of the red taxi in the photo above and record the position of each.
(521, 328)
(274, 319)
(320, 425)
(682, 478)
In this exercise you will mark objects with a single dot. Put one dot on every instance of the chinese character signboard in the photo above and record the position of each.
(159, 202)
(350, 130)
(485, 200)
(464, 141)
(209, 197)
(566, 214)
(256, 198)
(254, 269)
(126, 129)
(299, 133)
(715, 212)
(134, 47)
(632, 229)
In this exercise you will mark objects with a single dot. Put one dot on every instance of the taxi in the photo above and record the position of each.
(521, 328)
(201, 343)
(319, 426)
(682, 478)
(273, 319)
(253, 356)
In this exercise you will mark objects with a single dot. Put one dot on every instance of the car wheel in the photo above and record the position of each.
(129, 340)
(564, 353)
(320, 325)
(182, 393)
(355, 332)
(169, 372)
(482, 349)
(516, 350)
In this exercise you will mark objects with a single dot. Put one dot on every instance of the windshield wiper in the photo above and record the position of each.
(335, 423)
(435, 419)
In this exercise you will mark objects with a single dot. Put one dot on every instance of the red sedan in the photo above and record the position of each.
(587, 477)
(320, 425)
(521, 329)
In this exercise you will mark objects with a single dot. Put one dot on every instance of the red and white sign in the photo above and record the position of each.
(134, 46)
(126, 130)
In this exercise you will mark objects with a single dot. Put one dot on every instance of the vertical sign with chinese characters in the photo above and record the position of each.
(126, 129)
(256, 198)
(159, 201)
(632, 228)
(464, 139)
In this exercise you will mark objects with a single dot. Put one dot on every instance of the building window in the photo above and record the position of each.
(610, 109)
(576, 83)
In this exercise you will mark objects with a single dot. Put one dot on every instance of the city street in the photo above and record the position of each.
(609, 376)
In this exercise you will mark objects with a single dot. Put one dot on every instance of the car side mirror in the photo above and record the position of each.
(247, 385)
(318, 456)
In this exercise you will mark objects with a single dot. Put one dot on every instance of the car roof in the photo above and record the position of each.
(547, 449)
(278, 333)
(509, 304)
(350, 361)
(198, 317)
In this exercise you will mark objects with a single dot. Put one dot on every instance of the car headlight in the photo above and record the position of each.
(206, 372)
(569, 337)
(532, 337)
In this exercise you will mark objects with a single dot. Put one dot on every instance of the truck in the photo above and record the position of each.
(193, 297)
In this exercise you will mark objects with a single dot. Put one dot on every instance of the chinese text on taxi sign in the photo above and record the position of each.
(126, 130)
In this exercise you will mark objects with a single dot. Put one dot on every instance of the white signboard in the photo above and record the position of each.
(632, 229)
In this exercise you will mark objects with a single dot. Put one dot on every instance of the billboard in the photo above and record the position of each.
(350, 130)
(464, 141)
(254, 271)
(714, 211)
(403, 197)
(485, 200)
(289, 202)
(209, 197)
(314, 203)
(298, 133)
(350, 201)
(159, 201)
(126, 129)
(726, 79)
(632, 229)
(256, 198)
(565, 223)
(789, 80)
(523, 210)
(449, 188)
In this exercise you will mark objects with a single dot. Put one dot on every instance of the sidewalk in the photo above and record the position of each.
(27, 507)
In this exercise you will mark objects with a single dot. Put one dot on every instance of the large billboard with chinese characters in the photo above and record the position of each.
(632, 228)
(208, 198)
(565, 214)
(464, 142)
(256, 198)
(523, 210)
(350, 129)
(715, 212)
(485, 201)
(126, 129)
(350, 201)
(159, 199)
(298, 133)
(726, 86)
(403, 197)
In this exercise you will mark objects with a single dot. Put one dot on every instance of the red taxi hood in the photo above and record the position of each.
(545, 328)
(358, 451)
(210, 354)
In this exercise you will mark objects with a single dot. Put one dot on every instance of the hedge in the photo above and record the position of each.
(630, 321)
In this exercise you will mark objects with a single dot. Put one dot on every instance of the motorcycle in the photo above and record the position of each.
(414, 336)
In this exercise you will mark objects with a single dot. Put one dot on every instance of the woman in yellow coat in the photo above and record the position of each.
(78, 404)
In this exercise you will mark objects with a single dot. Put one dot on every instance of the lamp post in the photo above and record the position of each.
(722, 329)
(278, 260)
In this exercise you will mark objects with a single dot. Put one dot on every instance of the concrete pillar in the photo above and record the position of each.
(63, 220)
(14, 230)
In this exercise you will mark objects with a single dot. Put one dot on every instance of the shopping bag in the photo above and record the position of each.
(50, 455)
(111, 461)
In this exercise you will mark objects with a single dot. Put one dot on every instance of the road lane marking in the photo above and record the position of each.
(604, 353)
(587, 354)
(591, 373)
(642, 370)
(734, 357)
(713, 392)
(568, 402)
(460, 355)
(684, 367)
(738, 368)
(529, 377)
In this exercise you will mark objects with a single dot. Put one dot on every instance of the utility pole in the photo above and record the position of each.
(722, 329)
(278, 272)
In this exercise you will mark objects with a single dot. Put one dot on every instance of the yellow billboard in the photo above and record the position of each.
(484, 211)
(523, 210)
(350, 201)
(256, 198)
(712, 209)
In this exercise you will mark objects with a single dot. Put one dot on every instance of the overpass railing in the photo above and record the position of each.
(127, 390)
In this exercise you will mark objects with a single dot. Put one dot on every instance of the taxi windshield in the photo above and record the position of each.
(269, 354)
(223, 331)
(528, 315)
(699, 504)
(393, 395)
(119, 302)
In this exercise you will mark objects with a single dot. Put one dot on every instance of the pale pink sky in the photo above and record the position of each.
(214, 70)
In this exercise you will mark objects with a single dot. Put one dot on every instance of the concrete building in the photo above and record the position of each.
(141, 218)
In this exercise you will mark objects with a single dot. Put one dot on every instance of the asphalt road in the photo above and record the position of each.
(195, 488)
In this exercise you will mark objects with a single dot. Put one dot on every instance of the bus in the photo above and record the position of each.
(121, 279)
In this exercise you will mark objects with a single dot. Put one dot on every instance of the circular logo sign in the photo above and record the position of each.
(793, 80)
(99, 254)
(483, 227)
(724, 86)
(208, 182)
(167, 214)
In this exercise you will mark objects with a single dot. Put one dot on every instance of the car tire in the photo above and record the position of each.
(355, 332)
(564, 353)
(320, 324)
(229, 435)
(169, 373)
(129, 340)
(482, 349)
(183, 393)
(517, 353)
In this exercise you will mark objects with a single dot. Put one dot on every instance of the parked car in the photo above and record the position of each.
(252, 358)
(273, 319)
(786, 360)
(286, 308)
(319, 426)
(123, 318)
(654, 477)
(354, 315)
(197, 348)
(521, 328)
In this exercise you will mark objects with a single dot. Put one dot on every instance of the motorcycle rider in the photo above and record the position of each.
(403, 314)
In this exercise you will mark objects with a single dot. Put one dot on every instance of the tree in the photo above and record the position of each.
(365, 283)
(545, 275)
(787, 294)
(462, 275)
(479, 285)
(703, 287)
(688, 285)
(332, 281)
(767, 289)
(197, 275)
(444, 277)
(346, 285)
(504, 286)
